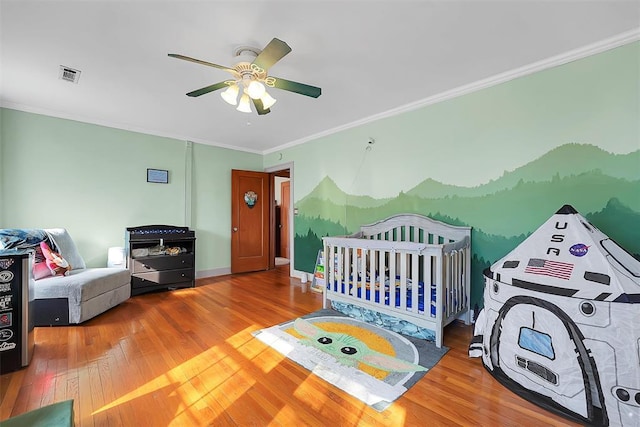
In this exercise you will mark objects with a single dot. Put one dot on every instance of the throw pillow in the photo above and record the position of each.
(57, 265)
(41, 270)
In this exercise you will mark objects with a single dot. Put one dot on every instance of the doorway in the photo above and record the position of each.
(538, 348)
(259, 240)
(283, 215)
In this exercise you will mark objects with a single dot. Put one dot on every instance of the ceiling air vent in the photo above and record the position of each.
(69, 74)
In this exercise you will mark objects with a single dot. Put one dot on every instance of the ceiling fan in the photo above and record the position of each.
(250, 76)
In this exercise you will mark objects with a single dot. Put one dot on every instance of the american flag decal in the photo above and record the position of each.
(561, 270)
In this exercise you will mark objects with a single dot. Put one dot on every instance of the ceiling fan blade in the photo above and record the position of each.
(296, 87)
(272, 53)
(259, 108)
(198, 61)
(208, 89)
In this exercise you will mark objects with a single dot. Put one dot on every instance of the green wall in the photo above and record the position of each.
(502, 160)
(92, 180)
(212, 201)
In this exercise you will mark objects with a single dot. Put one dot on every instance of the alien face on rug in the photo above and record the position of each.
(349, 350)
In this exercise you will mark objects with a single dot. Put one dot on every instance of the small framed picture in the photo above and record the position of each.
(160, 176)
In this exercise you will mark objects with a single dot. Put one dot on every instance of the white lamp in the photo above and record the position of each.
(244, 105)
(267, 100)
(256, 89)
(231, 94)
(116, 258)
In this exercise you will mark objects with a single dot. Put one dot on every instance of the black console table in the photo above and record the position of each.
(160, 257)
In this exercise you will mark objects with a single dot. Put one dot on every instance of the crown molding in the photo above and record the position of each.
(554, 61)
(115, 125)
(545, 64)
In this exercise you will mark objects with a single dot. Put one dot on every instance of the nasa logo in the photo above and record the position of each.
(579, 249)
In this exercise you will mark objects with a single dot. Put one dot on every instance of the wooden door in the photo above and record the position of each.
(284, 218)
(250, 221)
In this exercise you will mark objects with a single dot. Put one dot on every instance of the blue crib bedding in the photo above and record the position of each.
(384, 321)
(377, 293)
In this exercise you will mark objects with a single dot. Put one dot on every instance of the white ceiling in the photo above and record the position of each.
(369, 57)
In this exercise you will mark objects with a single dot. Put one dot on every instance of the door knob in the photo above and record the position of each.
(235, 229)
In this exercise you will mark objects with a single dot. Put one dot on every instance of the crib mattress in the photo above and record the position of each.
(377, 293)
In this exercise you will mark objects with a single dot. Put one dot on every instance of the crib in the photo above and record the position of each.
(408, 267)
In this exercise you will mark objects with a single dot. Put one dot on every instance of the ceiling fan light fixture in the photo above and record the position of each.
(250, 78)
(244, 105)
(256, 89)
(267, 100)
(230, 95)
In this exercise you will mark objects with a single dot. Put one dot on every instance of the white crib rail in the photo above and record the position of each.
(404, 253)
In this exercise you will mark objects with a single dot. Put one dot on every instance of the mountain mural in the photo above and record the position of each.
(604, 187)
(328, 191)
(506, 212)
(557, 163)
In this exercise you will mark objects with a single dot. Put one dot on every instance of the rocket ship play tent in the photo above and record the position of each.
(561, 322)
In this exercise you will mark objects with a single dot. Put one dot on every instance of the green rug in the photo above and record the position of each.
(372, 364)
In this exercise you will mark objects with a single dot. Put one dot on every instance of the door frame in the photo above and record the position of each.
(276, 168)
(283, 240)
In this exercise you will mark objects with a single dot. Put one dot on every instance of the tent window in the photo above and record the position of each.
(623, 257)
(597, 277)
(537, 342)
(510, 264)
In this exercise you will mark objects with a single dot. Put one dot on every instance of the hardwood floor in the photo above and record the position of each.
(187, 358)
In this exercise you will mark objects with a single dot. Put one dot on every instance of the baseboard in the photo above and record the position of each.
(213, 272)
(298, 274)
(227, 270)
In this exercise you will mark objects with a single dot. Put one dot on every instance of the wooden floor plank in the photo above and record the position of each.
(188, 357)
(10, 387)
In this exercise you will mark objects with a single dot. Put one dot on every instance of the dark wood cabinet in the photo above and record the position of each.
(160, 257)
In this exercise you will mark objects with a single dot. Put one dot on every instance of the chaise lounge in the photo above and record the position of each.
(79, 295)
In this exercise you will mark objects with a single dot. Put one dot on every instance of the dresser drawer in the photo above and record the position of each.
(163, 277)
(157, 263)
